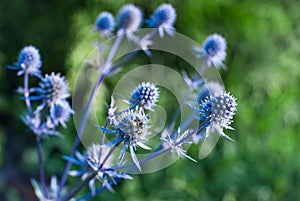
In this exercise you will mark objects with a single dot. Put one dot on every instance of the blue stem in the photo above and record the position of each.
(41, 166)
(100, 51)
(79, 187)
(113, 51)
(26, 94)
(176, 114)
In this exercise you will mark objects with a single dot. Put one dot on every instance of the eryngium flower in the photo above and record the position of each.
(214, 50)
(130, 18)
(60, 112)
(134, 125)
(164, 18)
(54, 89)
(176, 142)
(105, 23)
(132, 129)
(218, 110)
(145, 96)
(29, 60)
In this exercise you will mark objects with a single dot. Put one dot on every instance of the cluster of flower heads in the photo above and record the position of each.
(131, 126)
(130, 18)
(51, 92)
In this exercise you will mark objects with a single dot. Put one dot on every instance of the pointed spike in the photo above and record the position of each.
(143, 146)
(134, 158)
(188, 157)
(122, 154)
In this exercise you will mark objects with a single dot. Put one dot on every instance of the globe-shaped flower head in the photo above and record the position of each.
(132, 129)
(53, 89)
(29, 60)
(105, 23)
(145, 96)
(214, 50)
(218, 110)
(164, 18)
(134, 125)
(60, 112)
(129, 19)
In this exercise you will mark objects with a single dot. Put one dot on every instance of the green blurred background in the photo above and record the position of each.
(263, 73)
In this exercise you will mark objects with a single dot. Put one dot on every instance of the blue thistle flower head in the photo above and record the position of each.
(29, 60)
(163, 18)
(218, 110)
(60, 112)
(54, 89)
(214, 45)
(145, 96)
(105, 22)
(164, 15)
(132, 129)
(214, 49)
(130, 18)
(133, 124)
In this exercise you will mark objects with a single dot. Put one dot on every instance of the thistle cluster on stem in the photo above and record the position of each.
(51, 94)
(126, 130)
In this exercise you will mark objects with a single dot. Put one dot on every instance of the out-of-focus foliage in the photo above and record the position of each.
(263, 73)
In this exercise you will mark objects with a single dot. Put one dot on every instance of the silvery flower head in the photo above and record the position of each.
(213, 50)
(210, 88)
(133, 124)
(29, 61)
(132, 129)
(92, 161)
(164, 18)
(177, 142)
(105, 23)
(53, 89)
(145, 96)
(129, 19)
(60, 112)
(218, 111)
